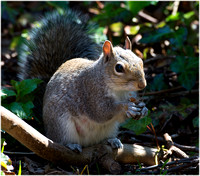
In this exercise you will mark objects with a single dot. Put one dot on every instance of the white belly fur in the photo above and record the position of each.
(83, 131)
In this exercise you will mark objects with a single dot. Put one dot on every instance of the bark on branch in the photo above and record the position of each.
(61, 155)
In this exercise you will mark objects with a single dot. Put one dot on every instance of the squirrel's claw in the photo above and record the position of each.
(75, 147)
(141, 104)
(136, 111)
(144, 111)
(115, 143)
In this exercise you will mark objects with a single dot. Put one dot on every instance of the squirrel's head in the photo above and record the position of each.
(124, 70)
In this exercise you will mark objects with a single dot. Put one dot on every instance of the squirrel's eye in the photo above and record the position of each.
(119, 68)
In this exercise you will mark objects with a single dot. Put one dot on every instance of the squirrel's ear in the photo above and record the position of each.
(128, 44)
(107, 49)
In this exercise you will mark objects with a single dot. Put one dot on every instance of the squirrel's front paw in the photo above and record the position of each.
(136, 111)
(115, 143)
(144, 110)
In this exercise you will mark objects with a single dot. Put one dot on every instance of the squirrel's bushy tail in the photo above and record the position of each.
(58, 38)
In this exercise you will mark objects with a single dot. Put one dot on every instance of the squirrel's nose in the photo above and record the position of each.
(142, 84)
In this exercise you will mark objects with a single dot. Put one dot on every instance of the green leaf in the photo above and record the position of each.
(3, 142)
(58, 4)
(15, 84)
(185, 101)
(136, 6)
(134, 29)
(187, 80)
(162, 168)
(6, 159)
(138, 126)
(2, 173)
(25, 87)
(177, 66)
(23, 105)
(22, 110)
(5, 105)
(99, 35)
(178, 37)
(6, 162)
(2, 149)
(189, 51)
(158, 83)
(165, 172)
(189, 14)
(17, 109)
(8, 13)
(15, 42)
(157, 36)
(183, 108)
(7, 93)
(175, 17)
(117, 28)
(161, 24)
(112, 12)
(27, 107)
(187, 68)
(195, 122)
(20, 168)
(145, 52)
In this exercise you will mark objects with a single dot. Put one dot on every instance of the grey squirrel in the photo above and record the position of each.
(88, 86)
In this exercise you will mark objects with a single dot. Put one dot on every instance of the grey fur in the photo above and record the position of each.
(84, 94)
(60, 38)
(85, 99)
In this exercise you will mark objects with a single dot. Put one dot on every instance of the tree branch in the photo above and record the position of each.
(61, 155)
(172, 148)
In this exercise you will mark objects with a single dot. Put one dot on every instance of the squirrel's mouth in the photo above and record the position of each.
(142, 84)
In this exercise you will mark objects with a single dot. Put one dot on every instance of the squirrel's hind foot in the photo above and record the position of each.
(115, 143)
(75, 147)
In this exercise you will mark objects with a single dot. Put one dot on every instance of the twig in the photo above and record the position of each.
(158, 58)
(147, 17)
(161, 139)
(166, 122)
(183, 160)
(18, 153)
(100, 4)
(163, 91)
(192, 160)
(180, 167)
(174, 136)
(183, 93)
(175, 7)
(172, 148)
(193, 8)
(187, 148)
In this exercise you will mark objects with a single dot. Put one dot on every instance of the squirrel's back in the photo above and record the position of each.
(59, 38)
